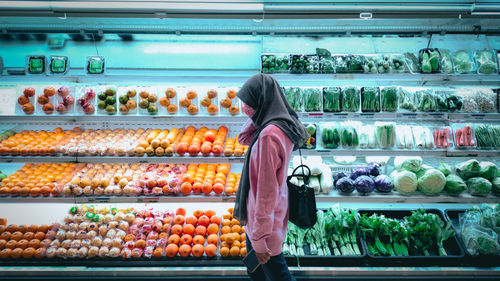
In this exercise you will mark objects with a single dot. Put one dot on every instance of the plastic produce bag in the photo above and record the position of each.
(327, 65)
(454, 184)
(367, 137)
(478, 186)
(332, 99)
(427, 100)
(468, 169)
(404, 137)
(486, 100)
(389, 98)
(468, 96)
(312, 64)
(489, 170)
(486, 63)
(442, 137)
(464, 137)
(478, 239)
(408, 100)
(408, 163)
(298, 64)
(349, 134)
(448, 100)
(330, 135)
(412, 62)
(295, 98)
(385, 133)
(495, 186)
(340, 64)
(446, 62)
(487, 136)
(370, 99)
(312, 99)
(268, 63)
(423, 137)
(282, 63)
(398, 63)
(350, 98)
(463, 62)
(429, 60)
(355, 63)
(370, 64)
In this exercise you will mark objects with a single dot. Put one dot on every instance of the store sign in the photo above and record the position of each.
(35, 64)
(95, 65)
(59, 64)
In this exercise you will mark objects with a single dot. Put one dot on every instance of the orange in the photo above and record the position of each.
(229, 238)
(209, 136)
(185, 250)
(223, 168)
(194, 149)
(203, 220)
(213, 239)
(180, 211)
(226, 222)
(217, 149)
(225, 230)
(188, 229)
(179, 220)
(218, 188)
(235, 221)
(173, 239)
(224, 251)
(235, 228)
(211, 249)
(213, 229)
(186, 188)
(198, 239)
(181, 148)
(197, 187)
(186, 239)
(234, 251)
(207, 187)
(206, 149)
(172, 250)
(198, 213)
(191, 220)
(198, 250)
(200, 230)
(243, 252)
(209, 213)
(215, 220)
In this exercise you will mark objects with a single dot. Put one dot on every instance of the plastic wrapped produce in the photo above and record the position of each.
(367, 137)
(480, 238)
(384, 64)
(486, 100)
(487, 136)
(370, 64)
(349, 134)
(282, 63)
(446, 62)
(408, 163)
(404, 137)
(448, 101)
(327, 65)
(330, 135)
(355, 63)
(340, 64)
(454, 184)
(398, 63)
(389, 98)
(370, 99)
(463, 62)
(486, 63)
(408, 100)
(385, 133)
(312, 64)
(429, 60)
(464, 137)
(412, 62)
(468, 169)
(478, 186)
(312, 99)
(350, 98)
(488, 170)
(423, 137)
(468, 96)
(495, 186)
(332, 99)
(427, 100)
(268, 63)
(295, 98)
(298, 64)
(442, 137)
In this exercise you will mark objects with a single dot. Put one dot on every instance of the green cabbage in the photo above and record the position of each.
(412, 164)
(405, 182)
(468, 169)
(455, 185)
(495, 186)
(488, 170)
(478, 186)
(445, 168)
(431, 182)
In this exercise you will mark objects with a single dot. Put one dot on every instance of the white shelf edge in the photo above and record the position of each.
(119, 118)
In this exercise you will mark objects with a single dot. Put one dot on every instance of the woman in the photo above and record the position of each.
(272, 132)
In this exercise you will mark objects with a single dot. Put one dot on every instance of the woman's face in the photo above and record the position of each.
(248, 110)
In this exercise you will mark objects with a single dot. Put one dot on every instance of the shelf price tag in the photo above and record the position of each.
(58, 64)
(95, 65)
(478, 116)
(35, 64)
(316, 115)
(341, 115)
(368, 115)
(407, 115)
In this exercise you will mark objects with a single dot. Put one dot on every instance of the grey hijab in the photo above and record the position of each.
(265, 96)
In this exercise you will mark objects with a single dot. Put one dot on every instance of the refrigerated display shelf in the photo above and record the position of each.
(120, 159)
(334, 196)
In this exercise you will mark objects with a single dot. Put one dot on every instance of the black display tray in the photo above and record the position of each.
(453, 215)
(452, 246)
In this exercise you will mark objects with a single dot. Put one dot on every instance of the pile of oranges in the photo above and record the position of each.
(228, 104)
(30, 143)
(24, 241)
(207, 102)
(157, 142)
(195, 235)
(232, 239)
(233, 147)
(38, 179)
(203, 140)
(205, 178)
(232, 183)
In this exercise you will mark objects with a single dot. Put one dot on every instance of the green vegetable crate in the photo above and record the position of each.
(430, 60)
(453, 250)
(454, 215)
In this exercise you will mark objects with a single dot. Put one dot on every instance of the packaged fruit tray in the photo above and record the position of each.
(453, 249)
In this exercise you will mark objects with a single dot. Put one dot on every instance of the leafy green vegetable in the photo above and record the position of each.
(355, 63)
(408, 100)
(327, 65)
(295, 98)
(332, 99)
(479, 230)
(445, 168)
(312, 64)
(432, 182)
(282, 64)
(323, 52)
(495, 186)
(487, 136)
(489, 170)
(389, 99)
(446, 62)
(385, 132)
(405, 182)
(427, 101)
(341, 228)
(398, 63)
(340, 64)
(455, 185)
(312, 99)
(350, 98)
(463, 62)
(370, 99)
(468, 169)
(448, 101)
(485, 62)
(427, 229)
(478, 186)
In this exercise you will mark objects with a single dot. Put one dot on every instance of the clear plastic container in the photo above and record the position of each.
(148, 100)
(446, 62)
(448, 100)
(188, 101)
(351, 97)
(229, 103)
(282, 63)
(127, 100)
(330, 135)
(349, 138)
(327, 65)
(65, 100)
(404, 137)
(355, 63)
(389, 99)
(487, 136)
(463, 136)
(469, 103)
(168, 101)
(370, 99)
(427, 100)
(209, 102)
(398, 63)
(367, 137)
(313, 99)
(267, 63)
(312, 64)
(46, 100)
(295, 97)
(463, 62)
(412, 63)
(486, 62)
(341, 65)
(385, 134)
(299, 63)
(332, 99)
(443, 138)
(85, 100)
(26, 100)
(107, 100)
(423, 136)
(429, 60)
(370, 65)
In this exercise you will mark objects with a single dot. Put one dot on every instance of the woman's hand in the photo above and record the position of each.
(263, 258)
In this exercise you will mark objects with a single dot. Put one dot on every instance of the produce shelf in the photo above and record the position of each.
(395, 197)
(120, 159)
(372, 152)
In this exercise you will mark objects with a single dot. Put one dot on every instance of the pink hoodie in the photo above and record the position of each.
(267, 202)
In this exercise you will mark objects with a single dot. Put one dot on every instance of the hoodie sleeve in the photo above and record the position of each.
(247, 133)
